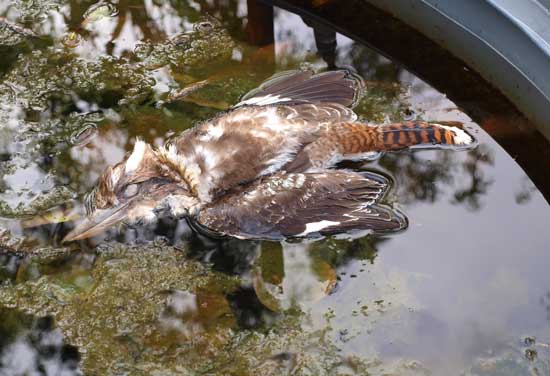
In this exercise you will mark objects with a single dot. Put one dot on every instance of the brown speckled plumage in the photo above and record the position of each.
(263, 169)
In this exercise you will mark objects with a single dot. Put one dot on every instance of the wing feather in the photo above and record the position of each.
(299, 87)
(297, 205)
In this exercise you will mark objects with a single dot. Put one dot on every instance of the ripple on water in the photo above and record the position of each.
(84, 135)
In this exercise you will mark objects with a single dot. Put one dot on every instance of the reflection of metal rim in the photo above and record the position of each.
(475, 95)
(506, 41)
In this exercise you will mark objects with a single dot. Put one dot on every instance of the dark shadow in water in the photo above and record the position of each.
(419, 179)
(30, 345)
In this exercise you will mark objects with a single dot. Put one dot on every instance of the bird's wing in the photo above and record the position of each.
(252, 141)
(304, 86)
(259, 136)
(304, 204)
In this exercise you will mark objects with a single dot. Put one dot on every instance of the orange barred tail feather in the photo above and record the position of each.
(357, 141)
(421, 135)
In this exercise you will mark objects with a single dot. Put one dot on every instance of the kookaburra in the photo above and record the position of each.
(265, 168)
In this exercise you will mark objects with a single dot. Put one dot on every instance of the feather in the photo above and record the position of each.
(298, 87)
(304, 204)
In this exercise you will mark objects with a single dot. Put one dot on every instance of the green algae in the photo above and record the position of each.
(43, 92)
(510, 362)
(41, 203)
(209, 43)
(130, 313)
(382, 103)
(12, 244)
(58, 75)
(118, 306)
(35, 10)
(12, 34)
(151, 309)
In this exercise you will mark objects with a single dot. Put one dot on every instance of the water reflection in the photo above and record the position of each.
(121, 82)
(454, 292)
(187, 315)
(30, 346)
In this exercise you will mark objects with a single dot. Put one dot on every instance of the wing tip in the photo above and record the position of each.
(375, 219)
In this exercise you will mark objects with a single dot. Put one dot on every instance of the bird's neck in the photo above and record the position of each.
(178, 167)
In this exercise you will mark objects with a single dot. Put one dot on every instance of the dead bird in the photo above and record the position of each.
(264, 169)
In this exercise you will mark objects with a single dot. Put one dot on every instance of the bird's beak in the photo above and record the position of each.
(98, 222)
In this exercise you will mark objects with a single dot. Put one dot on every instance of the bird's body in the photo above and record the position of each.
(265, 168)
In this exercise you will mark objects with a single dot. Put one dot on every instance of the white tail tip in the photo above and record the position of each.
(461, 137)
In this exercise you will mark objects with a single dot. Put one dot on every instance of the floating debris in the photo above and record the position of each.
(529, 341)
(531, 354)
(12, 33)
(52, 216)
(175, 95)
(99, 11)
(94, 13)
(84, 135)
(71, 40)
(181, 39)
(205, 26)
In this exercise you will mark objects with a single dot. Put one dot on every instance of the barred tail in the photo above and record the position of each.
(422, 135)
(357, 141)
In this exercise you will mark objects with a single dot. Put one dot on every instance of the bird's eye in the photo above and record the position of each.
(131, 190)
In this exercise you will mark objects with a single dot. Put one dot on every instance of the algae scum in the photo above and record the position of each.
(464, 290)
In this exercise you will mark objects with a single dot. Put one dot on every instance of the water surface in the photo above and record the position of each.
(464, 290)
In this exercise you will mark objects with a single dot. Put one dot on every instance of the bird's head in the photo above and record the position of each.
(135, 190)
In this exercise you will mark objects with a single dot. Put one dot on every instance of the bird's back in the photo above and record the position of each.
(248, 142)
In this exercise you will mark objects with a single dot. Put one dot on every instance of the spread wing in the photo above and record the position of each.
(299, 87)
(304, 204)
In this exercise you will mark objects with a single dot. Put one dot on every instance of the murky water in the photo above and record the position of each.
(464, 290)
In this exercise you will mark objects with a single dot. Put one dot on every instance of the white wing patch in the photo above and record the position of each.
(317, 226)
(263, 101)
(136, 157)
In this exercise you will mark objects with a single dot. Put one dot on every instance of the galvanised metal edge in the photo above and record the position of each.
(490, 37)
